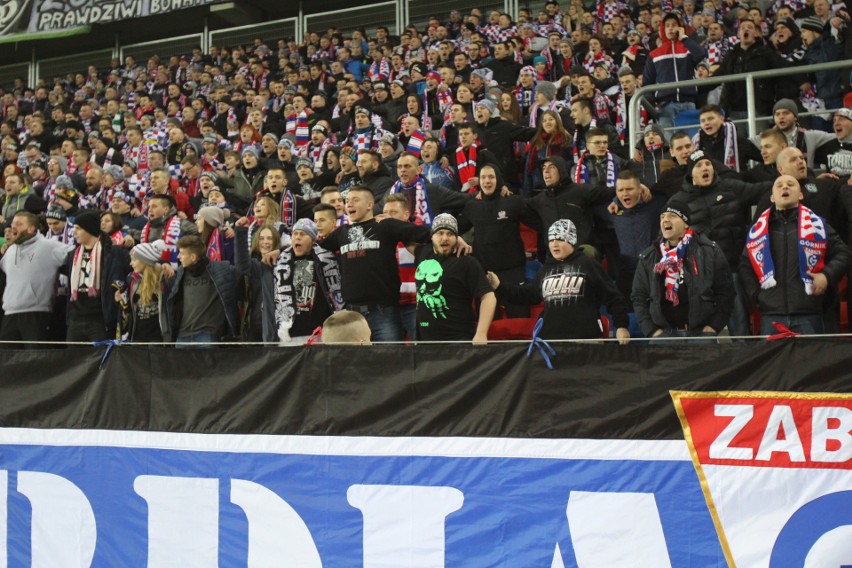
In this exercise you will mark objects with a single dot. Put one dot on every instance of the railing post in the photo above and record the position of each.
(751, 110)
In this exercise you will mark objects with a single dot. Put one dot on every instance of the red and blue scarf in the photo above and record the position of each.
(812, 244)
(671, 264)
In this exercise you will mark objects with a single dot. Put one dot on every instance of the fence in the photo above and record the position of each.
(79, 62)
(387, 14)
(142, 51)
(270, 32)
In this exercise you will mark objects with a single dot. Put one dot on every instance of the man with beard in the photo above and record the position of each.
(447, 287)
(164, 223)
(374, 175)
(31, 265)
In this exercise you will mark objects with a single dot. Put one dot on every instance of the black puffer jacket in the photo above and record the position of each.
(721, 210)
(705, 274)
(788, 295)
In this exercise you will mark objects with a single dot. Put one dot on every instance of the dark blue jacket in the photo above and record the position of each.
(115, 262)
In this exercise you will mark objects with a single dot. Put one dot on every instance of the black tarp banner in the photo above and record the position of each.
(433, 455)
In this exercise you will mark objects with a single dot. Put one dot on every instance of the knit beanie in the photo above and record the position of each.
(813, 24)
(115, 172)
(563, 230)
(56, 212)
(64, 181)
(679, 208)
(90, 221)
(307, 226)
(786, 104)
(149, 253)
(547, 89)
(694, 158)
(212, 215)
(445, 221)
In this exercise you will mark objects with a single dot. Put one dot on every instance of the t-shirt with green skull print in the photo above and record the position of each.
(446, 288)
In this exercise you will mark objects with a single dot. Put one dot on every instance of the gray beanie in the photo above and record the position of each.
(212, 215)
(547, 89)
(490, 106)
(150, 254)
(115, 172)
(654, 127)
(786, 104)
(251, 150)
(64, 181)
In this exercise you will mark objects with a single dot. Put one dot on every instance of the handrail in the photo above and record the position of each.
(749, 78)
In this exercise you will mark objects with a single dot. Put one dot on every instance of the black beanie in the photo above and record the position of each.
(90, 221)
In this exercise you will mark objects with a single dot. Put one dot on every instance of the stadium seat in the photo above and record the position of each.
(687, 121)
(511, 328)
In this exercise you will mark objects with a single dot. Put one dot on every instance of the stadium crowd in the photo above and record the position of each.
(435, 180)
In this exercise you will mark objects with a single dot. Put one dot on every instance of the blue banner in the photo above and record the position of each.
(107, 498)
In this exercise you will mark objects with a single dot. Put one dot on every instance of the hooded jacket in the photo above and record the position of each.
(569, 200)
(674, 60)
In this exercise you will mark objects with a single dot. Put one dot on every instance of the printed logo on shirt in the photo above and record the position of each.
(359, 242)
(501, 216)
(840, 163)
(563, 287)
(429, 287)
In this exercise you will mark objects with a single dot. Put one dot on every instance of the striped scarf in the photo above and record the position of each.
(421, 212)
(671, 264)
(379, 70)
(316, 154)
(581, 175)
(171, 234)
(91, 277)
(525, 97)
(466, 164)
(415, 142)
(302, 129)
(732, 152)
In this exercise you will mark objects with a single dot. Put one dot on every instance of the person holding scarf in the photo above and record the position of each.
(470, 156)
(210, 221)
(682, 286)
(306, 286)
(792, 260)
(364, 135)
(425, 200)
(92, 268)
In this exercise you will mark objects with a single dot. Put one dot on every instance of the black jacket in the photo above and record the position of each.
(496, 220)
(707, 278)
(569, 200)
(720, 212)
(788, 296)
(498, 136)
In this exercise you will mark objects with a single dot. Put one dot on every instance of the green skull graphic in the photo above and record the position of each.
(428, 280)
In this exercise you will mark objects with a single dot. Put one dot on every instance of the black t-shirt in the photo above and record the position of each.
(368, 267)
(146, 326)
(311, 308)
(446, 289)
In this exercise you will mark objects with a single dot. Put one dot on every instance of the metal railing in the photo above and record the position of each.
(169, 46)
(749, 78)
(348, 19)
(270, 32)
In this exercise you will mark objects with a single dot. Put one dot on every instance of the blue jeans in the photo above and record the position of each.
(668, 111)
(806, 325)
(190, 341)
(409, 320)
(738, 324)
(385, 323)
